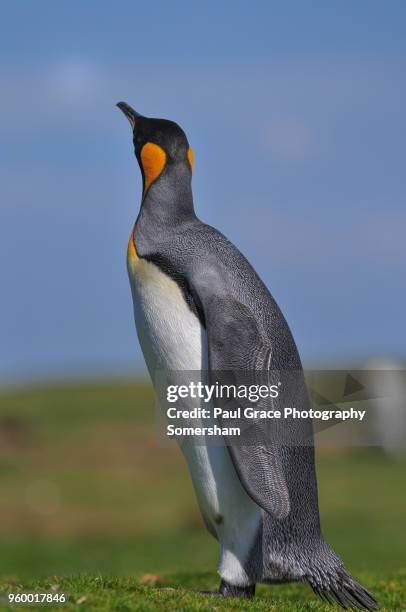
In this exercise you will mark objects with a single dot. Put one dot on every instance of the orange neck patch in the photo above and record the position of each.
(131, 252)
(153, 160)
(191, 157)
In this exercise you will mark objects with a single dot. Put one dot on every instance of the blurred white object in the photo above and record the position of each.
(389, 384)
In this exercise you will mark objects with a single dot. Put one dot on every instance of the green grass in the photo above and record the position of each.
(181, 591)
(91, 500)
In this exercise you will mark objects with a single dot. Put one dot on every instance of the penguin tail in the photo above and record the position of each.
(330, 580)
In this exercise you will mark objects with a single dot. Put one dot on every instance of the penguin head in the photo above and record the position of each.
(160, 146)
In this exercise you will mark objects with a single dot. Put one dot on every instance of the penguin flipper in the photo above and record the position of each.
(237, 349)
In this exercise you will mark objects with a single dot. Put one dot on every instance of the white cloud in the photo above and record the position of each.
(284, 96)
(289, 139)
(383, 236)
(377, 238)
(75, 80)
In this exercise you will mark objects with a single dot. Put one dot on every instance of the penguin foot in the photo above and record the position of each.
(230, 590)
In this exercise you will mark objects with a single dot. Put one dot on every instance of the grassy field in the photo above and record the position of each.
(92, 504)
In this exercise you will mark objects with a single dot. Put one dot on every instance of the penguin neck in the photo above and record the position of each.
(166, 206)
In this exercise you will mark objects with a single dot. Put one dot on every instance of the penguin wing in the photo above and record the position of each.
(237, 350)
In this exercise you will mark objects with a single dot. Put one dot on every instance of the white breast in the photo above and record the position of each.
(173, 339)
(171, 335)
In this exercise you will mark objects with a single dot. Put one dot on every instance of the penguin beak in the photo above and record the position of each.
(129, 112)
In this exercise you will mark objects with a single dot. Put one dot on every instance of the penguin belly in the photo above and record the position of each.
(172, 339)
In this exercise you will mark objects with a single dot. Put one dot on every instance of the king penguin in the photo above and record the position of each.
(199, 305)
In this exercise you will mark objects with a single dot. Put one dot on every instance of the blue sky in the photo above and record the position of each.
(295, 112)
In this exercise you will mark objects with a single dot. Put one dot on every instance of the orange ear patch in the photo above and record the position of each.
(191, 157)
(153, 160)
